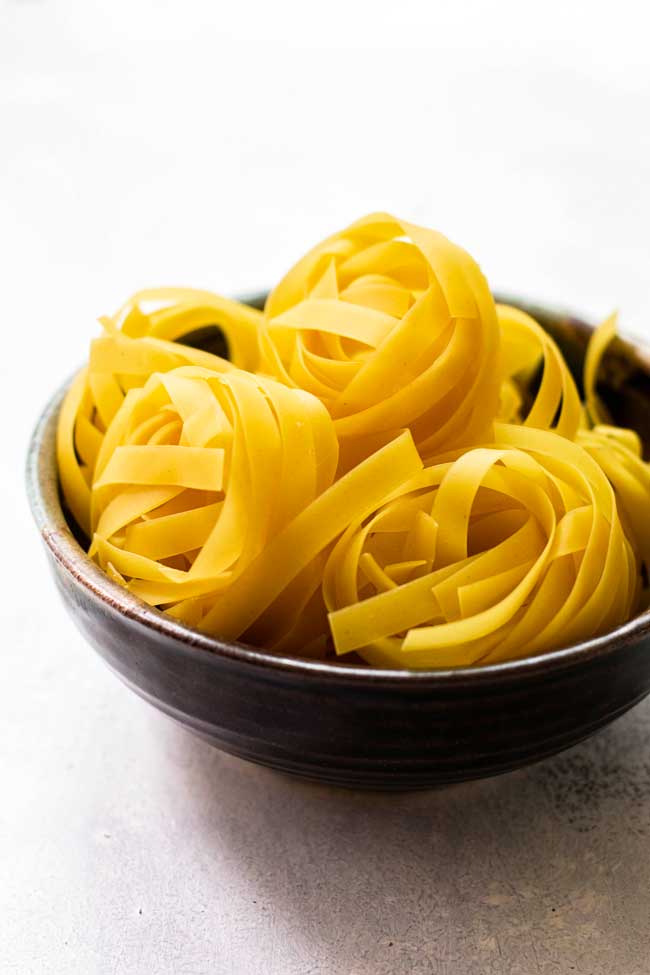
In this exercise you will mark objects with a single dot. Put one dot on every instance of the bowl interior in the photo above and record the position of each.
(624, 386)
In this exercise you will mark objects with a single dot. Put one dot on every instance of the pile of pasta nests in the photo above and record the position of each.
(389, 465)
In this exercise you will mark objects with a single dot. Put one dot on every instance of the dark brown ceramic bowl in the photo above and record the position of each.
(357, 726)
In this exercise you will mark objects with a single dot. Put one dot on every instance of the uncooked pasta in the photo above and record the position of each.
(388, 467)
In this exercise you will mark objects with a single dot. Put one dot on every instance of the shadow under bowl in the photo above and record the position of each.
(346, 725)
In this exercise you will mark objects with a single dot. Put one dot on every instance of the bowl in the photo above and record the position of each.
(349, 725)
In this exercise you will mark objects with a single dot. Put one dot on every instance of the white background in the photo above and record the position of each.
(209, 144)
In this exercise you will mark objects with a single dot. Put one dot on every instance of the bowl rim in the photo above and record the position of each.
(44, 500)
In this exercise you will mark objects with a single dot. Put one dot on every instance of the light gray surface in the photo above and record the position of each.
(156, 143)
(137, 848)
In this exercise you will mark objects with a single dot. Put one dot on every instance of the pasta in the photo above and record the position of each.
(389, 465)
(197, 471)
(390, 325)
(497, 552)
(556, 403)
(618, 453)
(139, 340)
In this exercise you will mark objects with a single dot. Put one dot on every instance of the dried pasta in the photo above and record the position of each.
(501, 551)
(141, 339)
(556, 403)
(390, 325)
(389, 466)
(197, 471)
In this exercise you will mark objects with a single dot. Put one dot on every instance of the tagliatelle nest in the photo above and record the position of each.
(499, 552)
(197, 472)
(391, 326)
(390, 464)
(135, 345)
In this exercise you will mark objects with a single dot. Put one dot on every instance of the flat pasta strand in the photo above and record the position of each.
(525, 344)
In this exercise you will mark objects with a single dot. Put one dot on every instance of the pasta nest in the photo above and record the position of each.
(390, 325)
(502, 551)
(196, 472)
(142, 338)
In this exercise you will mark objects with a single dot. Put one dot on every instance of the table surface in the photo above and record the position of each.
(160, 143)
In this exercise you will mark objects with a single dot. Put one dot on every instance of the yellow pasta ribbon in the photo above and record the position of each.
(618, 452)
(172, 313)
(598, 345)
(306, 537)
(390, 325)
(525, 344)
